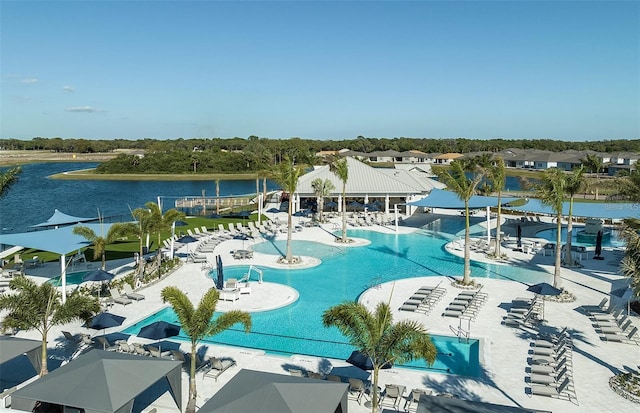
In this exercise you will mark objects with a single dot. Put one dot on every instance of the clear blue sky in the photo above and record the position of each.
(320, 69)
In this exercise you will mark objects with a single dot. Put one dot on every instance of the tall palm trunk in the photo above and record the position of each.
(44, 369)
(374, 397)
(289, 255)
(467, 241)
(344, 211)
(498, 240)
(568, 257)
(557, 281)
(192, 378)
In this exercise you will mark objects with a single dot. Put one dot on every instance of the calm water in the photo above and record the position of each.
(34, 197)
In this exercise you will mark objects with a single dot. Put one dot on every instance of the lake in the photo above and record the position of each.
(35, 196)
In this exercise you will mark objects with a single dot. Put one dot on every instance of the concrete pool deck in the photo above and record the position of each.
(504, 350)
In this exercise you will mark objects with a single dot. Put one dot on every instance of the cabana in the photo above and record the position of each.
(60, 241)
(608, 210)
(60, 219)
(101, 382)
(259, 392)
(440, 198)
(12, 348)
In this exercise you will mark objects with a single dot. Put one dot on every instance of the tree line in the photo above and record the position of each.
(298, 147)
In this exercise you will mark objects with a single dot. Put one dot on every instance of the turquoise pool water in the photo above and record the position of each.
(73, 278)
(343, 275)
(550, 234)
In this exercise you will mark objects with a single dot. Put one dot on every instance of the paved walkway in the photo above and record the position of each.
(504, 350)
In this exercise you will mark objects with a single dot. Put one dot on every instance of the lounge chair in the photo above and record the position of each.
(548, 379)
(550, 368)
(217, 367)
(156, 352)
(70, 337)
(333, 377)
(178, 355)
(102, 341)
(316, 376)
(591, 309)
(550, 391)
(129, 293)
(621, 328)
(356, 388)
(118, 298)
(620, 338)
(393, 392)
(124, 347)
(414, 397)
(607, 316)
(140, 350)
(296, 372)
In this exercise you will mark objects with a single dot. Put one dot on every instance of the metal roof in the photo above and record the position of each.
(363, 180)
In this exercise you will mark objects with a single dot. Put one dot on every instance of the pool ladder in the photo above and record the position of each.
(462, 334)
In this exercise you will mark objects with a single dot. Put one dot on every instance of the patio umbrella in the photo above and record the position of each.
(331, 204)
(355, 204)
(519, 237)
(98, 275)
(159, 330)
(598, 246)
(214, 215)
(187, 239)
(105, 320)
(544, 289)
(362, 361)
(181, 223)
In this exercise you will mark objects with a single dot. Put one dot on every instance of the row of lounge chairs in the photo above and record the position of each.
(126, 297)
(612, 324)
(523, 312)
(467, 304)
(551, 366)
(423, 300)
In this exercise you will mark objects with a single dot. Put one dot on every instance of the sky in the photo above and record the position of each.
(566, 70)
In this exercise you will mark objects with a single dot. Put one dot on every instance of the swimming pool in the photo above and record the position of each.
(343, 275)
(550, 234)
(73, 278)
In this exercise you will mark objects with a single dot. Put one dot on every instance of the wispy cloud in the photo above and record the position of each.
(30, 80)
(85, 109)
(67, 89)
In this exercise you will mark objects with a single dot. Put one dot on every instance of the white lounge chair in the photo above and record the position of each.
(217, 367)
(129, 293)
(551, 391)
(118, 298)
(620, 338)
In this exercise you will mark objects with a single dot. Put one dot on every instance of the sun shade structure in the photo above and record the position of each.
(12, 347)
(437, 404)
(101, 382)
(60, 218)
(612, 210)
(440, 198)
(261, 392)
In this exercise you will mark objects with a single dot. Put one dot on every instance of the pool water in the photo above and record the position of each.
(344, 274)
(550, 234)
(73, 278)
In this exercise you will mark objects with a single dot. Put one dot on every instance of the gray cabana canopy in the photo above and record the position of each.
(260, 392)
(60, 218)
(613, 210)
(60, 241)
(13, 347)
(101, 382)
(440, 198)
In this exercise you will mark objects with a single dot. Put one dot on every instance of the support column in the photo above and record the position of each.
(488, 226)
(63, 278)
(395, 212)
(173, 232)
(340, 203)
(386, 206)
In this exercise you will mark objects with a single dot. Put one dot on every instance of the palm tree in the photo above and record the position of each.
(117, 230)
(551, 190)
(287, 176)
(495, 172)
(594, 163)
(341, 169)
(376, 336)
(630, 265)
(8, 178)
(628, 185)
(159, 222)
(574, 184)
(198, 323)
(30, 306)
(457, 180)
(322, 189)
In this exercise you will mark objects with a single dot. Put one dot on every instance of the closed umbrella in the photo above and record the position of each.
(519, 237)
(220, 282)
(598, 246)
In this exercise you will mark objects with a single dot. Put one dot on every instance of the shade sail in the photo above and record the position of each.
(440, 198)
(261, 392)
(60, 241)
(13, 347)
(101, 381)
(584, 209)
(60, 218)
